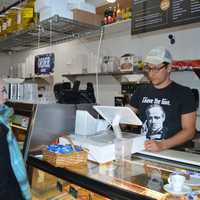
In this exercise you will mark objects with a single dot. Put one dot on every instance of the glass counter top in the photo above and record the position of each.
(140, 176)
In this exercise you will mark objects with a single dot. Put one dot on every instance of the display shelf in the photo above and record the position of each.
(25, 109)
(18, 127)
(41, 79)
(116, 75)
(100, 187)
(109, 30)
(53, 30)
(117, 27)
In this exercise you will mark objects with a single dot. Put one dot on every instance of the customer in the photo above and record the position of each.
(13, 182)
(171, 104)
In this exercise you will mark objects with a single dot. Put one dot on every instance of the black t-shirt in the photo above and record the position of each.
(160, 109)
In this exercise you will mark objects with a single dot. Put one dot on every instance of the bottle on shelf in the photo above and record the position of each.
(3, 26)
(0, 27)
(105, 21)
(114, 14)
(110, 15)
(129, 13)
(119, 13)
(124, 15)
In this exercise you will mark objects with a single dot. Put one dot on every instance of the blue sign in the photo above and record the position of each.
(44, 64)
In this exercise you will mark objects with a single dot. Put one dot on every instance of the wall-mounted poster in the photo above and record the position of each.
(44, 64)
(151, 15)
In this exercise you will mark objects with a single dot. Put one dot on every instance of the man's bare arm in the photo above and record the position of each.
(188, 122)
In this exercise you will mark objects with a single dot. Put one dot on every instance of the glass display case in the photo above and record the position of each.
(138, 178)
(131, 179)
(21, 120)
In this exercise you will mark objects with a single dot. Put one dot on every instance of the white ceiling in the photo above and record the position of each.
(5, 3)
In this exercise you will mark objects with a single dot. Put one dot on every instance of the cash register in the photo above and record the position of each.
(100, 141)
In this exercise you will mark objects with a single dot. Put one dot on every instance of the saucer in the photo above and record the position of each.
(186, 189)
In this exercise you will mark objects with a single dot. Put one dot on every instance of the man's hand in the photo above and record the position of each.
(154, 145)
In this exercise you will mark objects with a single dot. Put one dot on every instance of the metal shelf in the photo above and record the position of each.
(18, 127)
(116, 75)
(53, 30)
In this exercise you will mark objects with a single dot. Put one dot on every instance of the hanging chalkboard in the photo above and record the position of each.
(151, 15)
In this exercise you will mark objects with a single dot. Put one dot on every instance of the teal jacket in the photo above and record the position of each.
(16, 159)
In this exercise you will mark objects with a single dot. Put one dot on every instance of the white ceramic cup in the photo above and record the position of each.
(177, 182)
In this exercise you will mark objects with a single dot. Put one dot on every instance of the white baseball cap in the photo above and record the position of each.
(158, 55)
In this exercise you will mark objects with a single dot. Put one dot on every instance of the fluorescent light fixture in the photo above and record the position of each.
(111, 1)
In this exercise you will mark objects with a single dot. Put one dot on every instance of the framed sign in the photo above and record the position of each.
(44, 64)
(151, 15)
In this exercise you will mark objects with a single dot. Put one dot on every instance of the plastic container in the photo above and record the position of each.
(123, 148)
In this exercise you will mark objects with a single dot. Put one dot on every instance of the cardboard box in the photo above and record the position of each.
(86, 17)
(127, 63)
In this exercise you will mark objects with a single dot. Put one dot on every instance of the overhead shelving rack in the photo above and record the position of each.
(53, 30)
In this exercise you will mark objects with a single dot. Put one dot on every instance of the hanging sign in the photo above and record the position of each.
(44, 64)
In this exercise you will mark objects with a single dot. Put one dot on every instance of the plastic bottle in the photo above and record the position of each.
(114, 14)
(119, 13)
(105, 16)
(110, 15)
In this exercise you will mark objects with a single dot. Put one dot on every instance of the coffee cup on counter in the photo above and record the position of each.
(177, 182)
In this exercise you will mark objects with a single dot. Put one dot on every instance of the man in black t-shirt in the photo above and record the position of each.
(166, 108)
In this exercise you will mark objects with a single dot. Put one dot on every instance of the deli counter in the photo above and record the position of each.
(141, 177)
(136, 179)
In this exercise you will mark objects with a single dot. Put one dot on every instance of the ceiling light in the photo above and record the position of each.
(111, 1)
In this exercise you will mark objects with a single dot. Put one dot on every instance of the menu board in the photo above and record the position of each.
(150, 15)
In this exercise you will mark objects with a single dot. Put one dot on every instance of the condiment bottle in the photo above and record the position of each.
(119, 13)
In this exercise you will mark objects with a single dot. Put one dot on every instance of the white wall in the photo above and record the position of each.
(5, 62)
(72, 56)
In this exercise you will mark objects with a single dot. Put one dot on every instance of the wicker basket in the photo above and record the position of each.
(76, 158)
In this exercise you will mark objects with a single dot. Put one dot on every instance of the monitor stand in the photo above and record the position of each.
(116, 127)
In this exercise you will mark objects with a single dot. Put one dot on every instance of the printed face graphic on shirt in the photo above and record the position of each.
(153, 127)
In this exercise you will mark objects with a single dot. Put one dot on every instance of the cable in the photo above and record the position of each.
(51, 34)
(97, 64)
